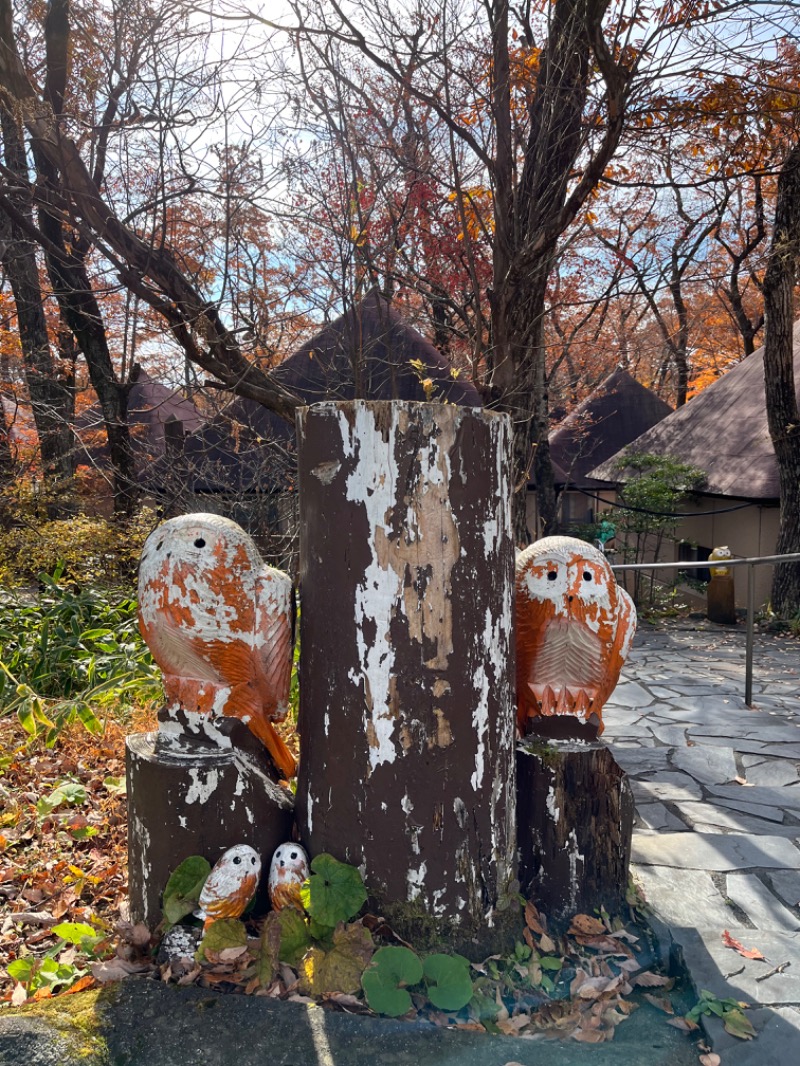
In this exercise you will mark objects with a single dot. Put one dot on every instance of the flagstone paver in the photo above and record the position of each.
(717, 791)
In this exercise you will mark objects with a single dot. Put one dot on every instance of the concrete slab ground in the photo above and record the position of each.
(716, 844)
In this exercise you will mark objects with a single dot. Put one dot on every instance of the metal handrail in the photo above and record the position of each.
(719, 564)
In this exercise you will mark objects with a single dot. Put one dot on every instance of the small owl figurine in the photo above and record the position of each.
(287, 872)
(219, 624)
(230, 885)
(574, 627)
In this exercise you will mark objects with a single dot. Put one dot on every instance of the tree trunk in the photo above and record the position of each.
(51, 392)
(406, 680)
(80, 310)
(782, 408)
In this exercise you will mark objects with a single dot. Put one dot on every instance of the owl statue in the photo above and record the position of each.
(574, 627)
(219, 624)
(230, 885)
(288, 870)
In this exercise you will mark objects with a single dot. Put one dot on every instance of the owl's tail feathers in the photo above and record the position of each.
(279, 753)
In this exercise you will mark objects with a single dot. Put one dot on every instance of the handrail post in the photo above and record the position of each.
(748, 658)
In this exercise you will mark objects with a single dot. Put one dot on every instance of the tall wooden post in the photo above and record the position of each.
(406, 678)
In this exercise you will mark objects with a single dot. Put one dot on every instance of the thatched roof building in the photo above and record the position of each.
(367, 352)
(618, 411)
(723, 431)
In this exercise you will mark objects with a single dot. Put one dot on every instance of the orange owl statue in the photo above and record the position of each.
(219, 624)
(230, 885)
(574, 627)
(288, 870)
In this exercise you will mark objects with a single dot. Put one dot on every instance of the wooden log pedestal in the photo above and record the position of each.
(722, 600)
(575, 822)
(198, 798)
(406, 677)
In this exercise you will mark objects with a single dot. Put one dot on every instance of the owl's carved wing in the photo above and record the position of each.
(274, 641)
(624, 631)
(173, 644)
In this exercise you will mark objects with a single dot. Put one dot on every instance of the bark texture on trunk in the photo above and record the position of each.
(50, 388)
(575, 825)
(783, 414)
(406, 676)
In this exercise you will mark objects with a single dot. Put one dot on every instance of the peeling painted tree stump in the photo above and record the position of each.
(406, 676)
(574, 822)
(722, 600)
(197, 799)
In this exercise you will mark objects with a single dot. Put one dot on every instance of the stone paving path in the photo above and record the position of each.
(717, 838)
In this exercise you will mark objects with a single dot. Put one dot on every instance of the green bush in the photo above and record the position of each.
(89, 550)
(67, 654)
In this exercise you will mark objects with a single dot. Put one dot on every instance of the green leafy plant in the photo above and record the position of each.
(65, 794)
(51, 973)
(385, 982)
(225, 934)
(449, 984)
(731, 1011)
(334, 893)
(183, 888)
(68, 655)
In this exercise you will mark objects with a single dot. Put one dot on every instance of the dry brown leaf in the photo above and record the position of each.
(589, 1036)
(580, 977)
(511, 1026)
(116, 970)
(662, 1003)
(652, 980)
(594, 987)
(547, 945)
(606, 943)
(585, 925)
(746, 953)
(684, 1024)
(711, 1059)
(533, 919)
(18, 996)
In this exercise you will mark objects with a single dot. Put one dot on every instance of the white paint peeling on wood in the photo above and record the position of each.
(182, 820)
(386, 591)
(552, 808)
(406, 804)
(575, 857)
(416, 882)
(248, 769)
(201, 790)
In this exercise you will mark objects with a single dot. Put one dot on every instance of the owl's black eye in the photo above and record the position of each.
(199, 543)
(159, 545)
(587, 575)
(236, 860)
(253, 861)
(294, 855)
(552, 575)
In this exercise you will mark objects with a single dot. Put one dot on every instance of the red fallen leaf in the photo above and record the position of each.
(747, 953)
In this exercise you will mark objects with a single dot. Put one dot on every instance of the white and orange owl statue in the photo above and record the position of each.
(230, 885)
(574, 627)
(288, 870)
(219, 624)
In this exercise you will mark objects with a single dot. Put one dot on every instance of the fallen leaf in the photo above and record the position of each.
(18, 996)
(711, 1059)
(652, 980)
(589, 1036)
(747, 953)
(585, 925)
(533, 919)
(511, 1026)
(738, 1025)
(546, 944)
(116, 970)
(684, 1024)
(663, 1003)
